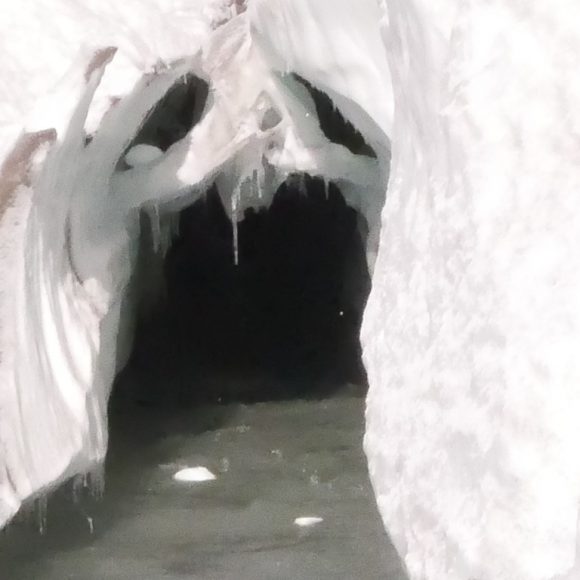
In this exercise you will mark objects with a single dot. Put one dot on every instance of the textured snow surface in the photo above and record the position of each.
(58, 329)
(472, 330)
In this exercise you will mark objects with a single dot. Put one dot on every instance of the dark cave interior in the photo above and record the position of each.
(281, 324)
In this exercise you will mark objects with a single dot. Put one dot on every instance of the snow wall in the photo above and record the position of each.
(471, 329)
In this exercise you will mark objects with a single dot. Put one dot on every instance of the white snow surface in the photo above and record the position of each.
(472, 329)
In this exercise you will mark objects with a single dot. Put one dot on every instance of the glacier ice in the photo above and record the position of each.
(472, 327)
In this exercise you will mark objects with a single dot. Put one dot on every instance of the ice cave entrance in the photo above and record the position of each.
(245, 377)
(283, 323)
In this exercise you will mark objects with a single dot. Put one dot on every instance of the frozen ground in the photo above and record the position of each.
(274, 462)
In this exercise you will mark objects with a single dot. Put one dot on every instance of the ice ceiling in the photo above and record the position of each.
(467, 110)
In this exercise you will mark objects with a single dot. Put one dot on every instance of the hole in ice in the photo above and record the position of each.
(175, 114)
(334, 126)
(270, 119)
(308, 521)
(194, 475)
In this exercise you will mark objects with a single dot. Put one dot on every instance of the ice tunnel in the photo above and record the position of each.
(289, 309)
(446, 131)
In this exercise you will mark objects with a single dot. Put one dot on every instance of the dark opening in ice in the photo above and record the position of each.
(333, 124)
(175, 114)
(283, 323)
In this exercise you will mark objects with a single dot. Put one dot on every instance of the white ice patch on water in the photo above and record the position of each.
(308, 521)
(198, 474)
(472, 330)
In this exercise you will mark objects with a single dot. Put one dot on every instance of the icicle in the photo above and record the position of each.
(326, 189)
(40, 511)
(91, 524)
(257, 184)
(96, 481)
(235, 209)
(156, 234)
(261, 171)
(93, 483)
(78, 485)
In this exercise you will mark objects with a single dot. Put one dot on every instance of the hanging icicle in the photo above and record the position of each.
(256, 191)
(96, 481)
(236, 197)
(155, 221)
(40, 511)
(79, 483)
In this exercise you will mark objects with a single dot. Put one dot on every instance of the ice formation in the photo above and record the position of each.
(471, 331)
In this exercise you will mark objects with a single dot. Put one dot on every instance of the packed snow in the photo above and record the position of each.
(194, 475)
(306, 512)
(472, 328)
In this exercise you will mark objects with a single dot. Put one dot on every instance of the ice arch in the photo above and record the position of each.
(471, 332)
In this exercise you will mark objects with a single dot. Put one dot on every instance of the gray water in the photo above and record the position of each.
(273, 462)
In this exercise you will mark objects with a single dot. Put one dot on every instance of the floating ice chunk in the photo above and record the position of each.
(142, 155)
(308, 521)
(194, 475)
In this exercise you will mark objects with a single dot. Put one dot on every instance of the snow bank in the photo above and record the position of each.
(472, 331)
